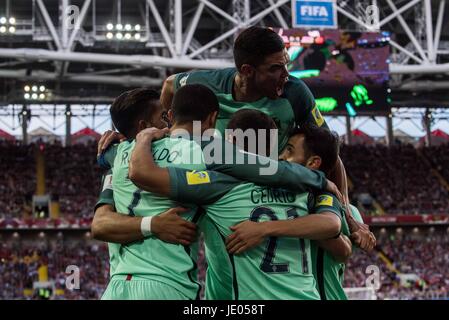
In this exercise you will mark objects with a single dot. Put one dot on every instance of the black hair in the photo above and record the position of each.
(193, 102)
(320, 142)
(130, 107)
(254, 44)
(245, 119)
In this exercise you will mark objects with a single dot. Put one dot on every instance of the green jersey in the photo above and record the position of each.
(151, 258)
(219, 155)
(288, 175)
(329, 273)
(280, 268)
(106, 197)
(296, 106)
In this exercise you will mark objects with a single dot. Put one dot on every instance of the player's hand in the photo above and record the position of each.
(107, 139)
(332, 188)
(170, 227)
(247, 235)
(150, 134)
(364, 239)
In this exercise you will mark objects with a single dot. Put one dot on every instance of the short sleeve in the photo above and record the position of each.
(106, 159)
(199, 187)
(107, 193)
(327, 202)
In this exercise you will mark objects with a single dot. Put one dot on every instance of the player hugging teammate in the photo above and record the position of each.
(285, 235)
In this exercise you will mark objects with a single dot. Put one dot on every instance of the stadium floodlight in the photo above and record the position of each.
(34, 88)
(42, 96)
(127, 36)
(137, 27)
(27, 88)
(2, 29)
(119, 26)
(137, 36)
(109, 35)
(12, 20)
(3, 20)
(119, 35)
(34, 96)
(128, 27)
(109, 26)
(12, 29)
(26, 96)
(42, 88)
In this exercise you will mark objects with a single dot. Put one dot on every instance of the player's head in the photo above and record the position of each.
(250, 119)
(194, 102)
(135, 110)
(261, 60)
(314, 147)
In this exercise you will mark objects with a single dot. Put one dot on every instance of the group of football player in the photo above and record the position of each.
(180, 166)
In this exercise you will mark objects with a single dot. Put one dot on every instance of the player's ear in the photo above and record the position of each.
(213, 119)
(247, 70)
(141, 125)
(314, 162)
(170, 115)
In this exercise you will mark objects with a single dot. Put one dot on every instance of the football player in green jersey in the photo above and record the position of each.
(281, 269)
(260, 81)
(306, 146)
(113, 227)
(136, 208)
(151, 268)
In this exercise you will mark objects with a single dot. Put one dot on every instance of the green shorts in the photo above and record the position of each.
(141, 290)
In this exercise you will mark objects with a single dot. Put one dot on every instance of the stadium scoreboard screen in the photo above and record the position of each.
(346, 71)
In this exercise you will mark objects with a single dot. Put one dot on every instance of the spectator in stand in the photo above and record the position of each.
(398, 177)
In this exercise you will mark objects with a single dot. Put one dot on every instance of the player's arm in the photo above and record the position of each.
(340, 248)
(324, 224)
(249, 234)
(111, 226)
(106, 150)
(268, 172)
(185, 186)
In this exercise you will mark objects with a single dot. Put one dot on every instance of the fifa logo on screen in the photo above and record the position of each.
(71, 16)
(372, 18)
(373, 280)
(72, 282)
(314, 11)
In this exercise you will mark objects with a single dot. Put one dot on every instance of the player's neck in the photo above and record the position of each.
(189, 128)
(242, 91)
(186, 127)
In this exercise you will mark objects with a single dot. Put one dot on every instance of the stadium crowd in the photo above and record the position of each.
(419, 254)
(20, 263)
(412, 187)
(17, 176)
(422, 254)
(73, 177)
